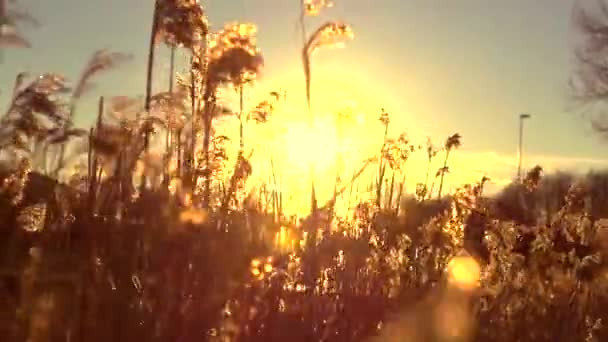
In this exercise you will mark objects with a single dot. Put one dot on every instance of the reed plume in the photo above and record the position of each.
(314, 7)
(9, 19)
(180, 23)
(330, 34)
(36, 115)
(233, 59)
(452, 142)
(101, 61)
(177, 23)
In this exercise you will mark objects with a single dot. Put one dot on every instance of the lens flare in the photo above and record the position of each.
(464, 272)
(315, 144)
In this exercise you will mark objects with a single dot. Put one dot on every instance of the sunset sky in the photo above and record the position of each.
(437, 66)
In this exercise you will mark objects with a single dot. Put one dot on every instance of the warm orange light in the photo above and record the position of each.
(193, 215)
(317, 144)
(464, 272)
(345, 132)
(282, 238)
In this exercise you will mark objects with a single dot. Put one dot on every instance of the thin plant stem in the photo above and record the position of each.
(149, 72)
(168, 133)
(443, 171)
(313, 199)
(241, 128)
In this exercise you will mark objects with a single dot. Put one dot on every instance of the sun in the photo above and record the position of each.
(304, 144)
(331, 140)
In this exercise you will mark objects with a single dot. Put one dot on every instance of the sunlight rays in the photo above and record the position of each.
(345, 133)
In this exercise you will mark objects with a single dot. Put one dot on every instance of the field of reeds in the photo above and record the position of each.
(146, 226)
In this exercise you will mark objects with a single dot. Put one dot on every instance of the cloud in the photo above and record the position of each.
(573, 164)
(492, 162)
(469, 167)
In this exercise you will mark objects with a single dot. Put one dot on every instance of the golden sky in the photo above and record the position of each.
(438, 67)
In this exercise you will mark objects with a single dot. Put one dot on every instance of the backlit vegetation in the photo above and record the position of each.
(152, 226)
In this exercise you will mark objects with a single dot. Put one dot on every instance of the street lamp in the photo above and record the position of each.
(522, 117)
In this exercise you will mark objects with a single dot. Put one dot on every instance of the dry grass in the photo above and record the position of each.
(172, 242)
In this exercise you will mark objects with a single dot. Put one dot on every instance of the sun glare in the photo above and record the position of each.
(304, 145)
(344, 133)
(464, 272)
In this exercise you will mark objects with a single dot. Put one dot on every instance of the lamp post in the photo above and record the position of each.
(522, 117)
